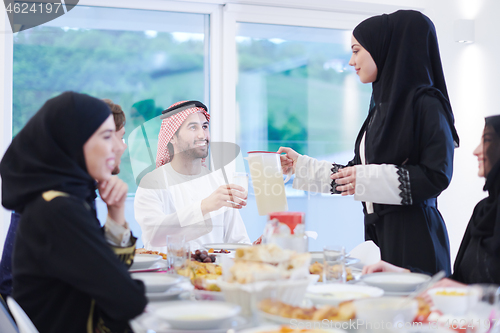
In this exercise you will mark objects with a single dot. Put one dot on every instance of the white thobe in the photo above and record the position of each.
(169, 203)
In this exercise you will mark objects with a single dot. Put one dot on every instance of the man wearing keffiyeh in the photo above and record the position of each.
(182, 196)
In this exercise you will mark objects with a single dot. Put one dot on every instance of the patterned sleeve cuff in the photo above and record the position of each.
(404, 185)
(335, 168)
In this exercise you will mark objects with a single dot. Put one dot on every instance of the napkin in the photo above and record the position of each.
(368, 253)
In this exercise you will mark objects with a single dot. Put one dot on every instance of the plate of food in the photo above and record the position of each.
(144, 251)
(336, 293)
(282, 313)
(287, 329)
(395, 282)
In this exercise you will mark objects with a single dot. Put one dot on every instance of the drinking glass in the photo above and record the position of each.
(177, 252)
(241, 179)
(334, 264)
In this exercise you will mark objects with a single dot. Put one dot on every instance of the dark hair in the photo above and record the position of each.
(118, 114)
(170, 146)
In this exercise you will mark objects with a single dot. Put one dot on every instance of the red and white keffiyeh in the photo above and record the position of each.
(168, 128)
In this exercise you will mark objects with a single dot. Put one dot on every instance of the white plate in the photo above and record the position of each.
(334, 294)
(170, 293)
(224, 246)
(271, 328)
(162, 264)
(148, 322)
(196, 315)
(142, 261)
(158, 282)
(395, 282)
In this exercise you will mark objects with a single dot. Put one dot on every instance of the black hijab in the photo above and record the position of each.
(405, 49)
(486, 214)
(47, 154)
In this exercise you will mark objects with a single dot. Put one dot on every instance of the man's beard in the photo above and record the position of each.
(194, 153)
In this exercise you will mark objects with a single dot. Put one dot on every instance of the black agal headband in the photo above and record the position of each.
(181, 107)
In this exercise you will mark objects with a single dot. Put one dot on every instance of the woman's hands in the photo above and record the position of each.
(288, 161)
(383, 266)
(346, 179)
(221, 197)
(449, 283)
(258, 241)
(114, 193)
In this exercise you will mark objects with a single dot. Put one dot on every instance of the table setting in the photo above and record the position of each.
(280, 287)
(264, 288)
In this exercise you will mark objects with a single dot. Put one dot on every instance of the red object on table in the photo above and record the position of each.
(291, 219)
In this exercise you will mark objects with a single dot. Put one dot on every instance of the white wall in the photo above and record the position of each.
(470, 72)
(5, 105)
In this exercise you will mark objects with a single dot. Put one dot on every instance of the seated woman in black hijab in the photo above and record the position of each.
(67, 277)
(403, 156)
(478, 259)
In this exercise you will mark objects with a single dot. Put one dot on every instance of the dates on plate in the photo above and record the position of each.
(202, 256)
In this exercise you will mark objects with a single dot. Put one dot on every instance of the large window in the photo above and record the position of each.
(143, 60)
(296, 89)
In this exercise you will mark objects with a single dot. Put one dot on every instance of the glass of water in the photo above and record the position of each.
(334, 264)
(177, 252)
(241, 179)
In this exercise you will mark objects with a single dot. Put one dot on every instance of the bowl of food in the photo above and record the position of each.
(386, 310)
(451, 301)
(196, 315)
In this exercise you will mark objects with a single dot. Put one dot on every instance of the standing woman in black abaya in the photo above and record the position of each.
(404, 150)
